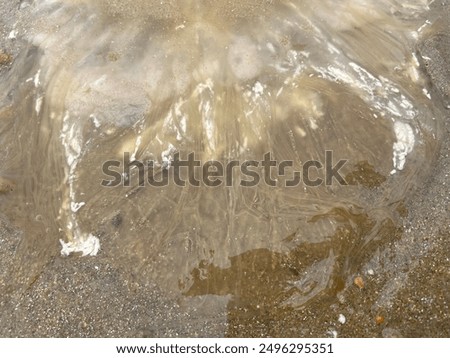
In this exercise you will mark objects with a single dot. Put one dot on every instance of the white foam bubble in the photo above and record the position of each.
(404, 144)
(87, 246)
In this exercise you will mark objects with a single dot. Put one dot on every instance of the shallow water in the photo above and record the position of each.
(228, 81)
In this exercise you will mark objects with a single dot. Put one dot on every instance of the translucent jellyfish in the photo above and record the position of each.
(305, 82)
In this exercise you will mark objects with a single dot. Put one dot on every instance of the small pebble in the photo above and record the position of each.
(379, 319)
(358, 281)
(5, 58)
(342, 319)
(333, 333)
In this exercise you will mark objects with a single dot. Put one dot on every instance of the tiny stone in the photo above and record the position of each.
(342, 319)
(333, 333)
(359, 282)
(5, 58)
(379, 319)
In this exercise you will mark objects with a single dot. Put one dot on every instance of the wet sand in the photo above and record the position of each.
(401, 290)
